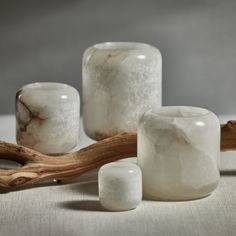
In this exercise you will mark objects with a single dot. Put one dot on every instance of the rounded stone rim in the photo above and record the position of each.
(41, 85)
(197, 112)
(126, 166)
(125, 45)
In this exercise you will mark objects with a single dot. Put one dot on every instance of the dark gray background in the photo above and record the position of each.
(44, 40)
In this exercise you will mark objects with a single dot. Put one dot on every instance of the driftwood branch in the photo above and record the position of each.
(38, 167)
(228, 136)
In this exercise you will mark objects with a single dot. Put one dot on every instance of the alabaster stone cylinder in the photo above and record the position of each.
(120, 186)
(120, 81)
(47, 117)
(179, 152)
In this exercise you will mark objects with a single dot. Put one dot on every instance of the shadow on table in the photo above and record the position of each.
(89, 188)
(86, 183)
(83, 205)
(40, 185)
(228, 172)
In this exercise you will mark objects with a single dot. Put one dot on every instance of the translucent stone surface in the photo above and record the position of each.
(120, 81)
(47, 117)
(178, 152)
(120, 186)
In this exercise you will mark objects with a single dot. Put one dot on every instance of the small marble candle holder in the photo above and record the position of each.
(179, 152)
(47, 117)
(120, 186)
(121, 80)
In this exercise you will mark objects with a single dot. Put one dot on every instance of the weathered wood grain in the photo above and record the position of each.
(38, 167)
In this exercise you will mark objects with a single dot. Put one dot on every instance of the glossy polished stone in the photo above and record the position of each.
(120, 186)
(179, 152)
(121, 80)
(47, 117)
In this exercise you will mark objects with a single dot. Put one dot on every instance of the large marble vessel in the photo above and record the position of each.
(47, 117)
(178, 152)
(120, 81)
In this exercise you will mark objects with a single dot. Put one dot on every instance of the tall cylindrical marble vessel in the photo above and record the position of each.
(120, 81)
(178, 152)
(47, 117)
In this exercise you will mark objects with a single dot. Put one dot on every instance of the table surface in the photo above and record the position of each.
(74, 209)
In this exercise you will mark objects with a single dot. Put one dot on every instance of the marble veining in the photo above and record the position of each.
(120, 82)
(179, 152)
(47, 117)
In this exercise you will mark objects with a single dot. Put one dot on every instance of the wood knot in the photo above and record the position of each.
(19, 149)
(231, 124)
(19, 181)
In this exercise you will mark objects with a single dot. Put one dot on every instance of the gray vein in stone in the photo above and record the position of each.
(32, 115)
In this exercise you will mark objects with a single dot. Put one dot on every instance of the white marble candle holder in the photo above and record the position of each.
(120, 186)
(47, 117)
(121, 80)
(178, 152)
